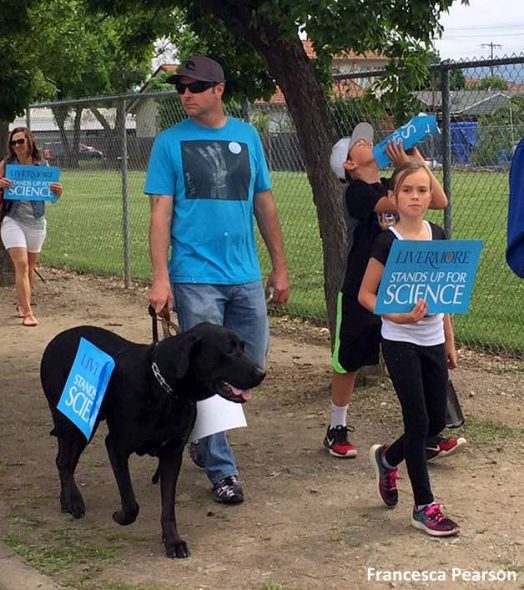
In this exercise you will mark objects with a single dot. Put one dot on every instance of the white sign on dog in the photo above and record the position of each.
(216, 414)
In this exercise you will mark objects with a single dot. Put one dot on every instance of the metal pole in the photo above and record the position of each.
(446, 147)
(28, 117)
(125, 196)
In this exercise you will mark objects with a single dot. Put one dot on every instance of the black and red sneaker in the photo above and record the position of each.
(443, 447)
(337, 442)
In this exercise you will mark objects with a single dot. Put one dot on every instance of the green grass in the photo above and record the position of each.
(85, 234)
(61, 549)
(493, 433)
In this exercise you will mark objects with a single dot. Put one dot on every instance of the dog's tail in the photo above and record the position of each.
(156, 475)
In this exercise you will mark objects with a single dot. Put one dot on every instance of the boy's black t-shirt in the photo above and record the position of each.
(361, 200)
(382, 244)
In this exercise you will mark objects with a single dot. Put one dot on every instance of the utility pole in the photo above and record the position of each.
(491, 46)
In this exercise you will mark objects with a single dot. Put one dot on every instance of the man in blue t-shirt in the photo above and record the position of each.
(207, 178)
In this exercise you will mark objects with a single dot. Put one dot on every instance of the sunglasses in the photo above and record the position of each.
(194, 87)
(17, 142)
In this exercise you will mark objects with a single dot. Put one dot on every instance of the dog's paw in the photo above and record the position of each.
(124, 518)
(179, 550)
(74, 506)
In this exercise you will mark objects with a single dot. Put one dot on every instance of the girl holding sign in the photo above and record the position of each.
(418, 349)
(23, 228)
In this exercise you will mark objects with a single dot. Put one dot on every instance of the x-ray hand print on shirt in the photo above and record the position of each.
(216, 170)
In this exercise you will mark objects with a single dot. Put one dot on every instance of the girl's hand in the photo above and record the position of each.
(415, 156)
(412, 317)
(5, 183)
(451, 354)
(57, 188)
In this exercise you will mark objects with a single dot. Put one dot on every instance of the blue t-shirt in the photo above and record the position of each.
(212, 175)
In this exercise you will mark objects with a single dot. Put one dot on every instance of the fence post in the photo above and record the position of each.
(446, 146)
(125, 195)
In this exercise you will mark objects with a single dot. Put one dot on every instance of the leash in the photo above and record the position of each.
(169, 328)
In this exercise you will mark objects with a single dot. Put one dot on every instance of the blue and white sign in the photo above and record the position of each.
(441, 272)
(86, 386)
(414, 131)
(31, 183)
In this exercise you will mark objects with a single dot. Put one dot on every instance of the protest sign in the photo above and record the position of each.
(441, 272)
(86, 386)
(414, 131)
(31, 183)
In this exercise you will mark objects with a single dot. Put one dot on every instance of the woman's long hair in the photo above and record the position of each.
(36, 155)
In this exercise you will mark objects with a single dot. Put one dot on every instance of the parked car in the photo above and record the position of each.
(55, 152)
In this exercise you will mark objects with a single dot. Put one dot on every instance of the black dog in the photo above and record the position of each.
(149, 405)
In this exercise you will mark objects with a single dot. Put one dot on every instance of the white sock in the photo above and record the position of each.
(423, 506)
(338, 415)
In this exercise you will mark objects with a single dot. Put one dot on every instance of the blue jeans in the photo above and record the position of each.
(241, 308)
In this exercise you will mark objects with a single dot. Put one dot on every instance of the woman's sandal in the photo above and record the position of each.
(29, 321)
(20, 311)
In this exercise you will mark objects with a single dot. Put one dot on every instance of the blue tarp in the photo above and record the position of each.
(464, 136)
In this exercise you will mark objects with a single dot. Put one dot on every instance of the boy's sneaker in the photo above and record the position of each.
(444, 447)
(386, 478)
(228, 491)
(196, 454)
(432, 521)
(337, 442)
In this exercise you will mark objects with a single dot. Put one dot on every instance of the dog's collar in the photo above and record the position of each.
(161, 381)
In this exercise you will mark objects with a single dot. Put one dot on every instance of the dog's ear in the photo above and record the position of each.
(185, 345)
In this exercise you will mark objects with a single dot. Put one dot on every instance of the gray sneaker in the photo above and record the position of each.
(228, 491)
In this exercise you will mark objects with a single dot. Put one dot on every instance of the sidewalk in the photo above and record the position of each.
(15, 575)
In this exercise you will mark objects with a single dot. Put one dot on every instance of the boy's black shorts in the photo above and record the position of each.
(357, 339)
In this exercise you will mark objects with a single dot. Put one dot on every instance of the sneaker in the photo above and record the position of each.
(432, 521)
(228, 491)
(386, 478)
(196, 455)
(337, 442)
(444, 447)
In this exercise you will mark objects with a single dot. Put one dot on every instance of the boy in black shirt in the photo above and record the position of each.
(358, 330)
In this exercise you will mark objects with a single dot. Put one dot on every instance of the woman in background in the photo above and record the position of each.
(24, 226)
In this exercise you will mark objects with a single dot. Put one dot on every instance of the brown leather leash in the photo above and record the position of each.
(169, 328)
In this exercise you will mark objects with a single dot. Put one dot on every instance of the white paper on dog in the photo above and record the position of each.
(216, 414)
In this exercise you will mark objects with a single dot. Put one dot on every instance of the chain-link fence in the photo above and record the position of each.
(103, 146)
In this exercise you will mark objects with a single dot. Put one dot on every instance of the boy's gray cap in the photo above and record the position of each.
(200, 68)
(340, 151)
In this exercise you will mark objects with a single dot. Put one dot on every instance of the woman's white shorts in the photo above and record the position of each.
(18, 235)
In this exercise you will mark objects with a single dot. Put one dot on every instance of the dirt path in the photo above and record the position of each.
(309, 521)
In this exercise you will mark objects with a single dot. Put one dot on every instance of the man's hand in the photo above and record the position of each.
(277, 289)
(161, 295)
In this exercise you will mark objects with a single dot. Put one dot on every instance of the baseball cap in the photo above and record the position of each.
(340, 151)
(200, 68)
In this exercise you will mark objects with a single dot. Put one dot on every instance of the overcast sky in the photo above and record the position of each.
(467, 28)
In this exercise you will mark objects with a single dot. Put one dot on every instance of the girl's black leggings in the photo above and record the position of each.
(420, 376)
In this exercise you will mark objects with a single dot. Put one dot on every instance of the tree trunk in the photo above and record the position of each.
(294, 73)
(4, 137)
(7, 273)
(308, 107)
(7, 270)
